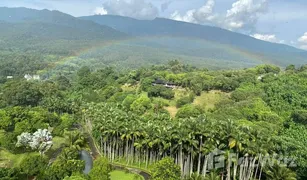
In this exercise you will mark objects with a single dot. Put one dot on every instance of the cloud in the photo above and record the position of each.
(138, 9)
(303, 47)
(268, 37)
(303, 39)
(204, 13)
(201, 15)
(244, 14)
(188, 17)
(165, 5)
(100, 11)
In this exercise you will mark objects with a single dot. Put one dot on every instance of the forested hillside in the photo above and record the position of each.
(137, 120)
(114, 98)
(33, 40)
(277, 53)
(63, 43)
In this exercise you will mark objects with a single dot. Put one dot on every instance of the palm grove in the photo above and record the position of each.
(259, 117)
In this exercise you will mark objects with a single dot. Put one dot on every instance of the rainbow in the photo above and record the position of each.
(106, 44)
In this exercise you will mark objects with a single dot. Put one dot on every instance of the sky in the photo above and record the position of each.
(279, 21)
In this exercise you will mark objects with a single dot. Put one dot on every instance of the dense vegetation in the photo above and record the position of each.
(51, 43)
(172, 120)
(246, 116)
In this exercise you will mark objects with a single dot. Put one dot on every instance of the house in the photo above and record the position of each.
(164, 83)
(9, 77)
(158, 82)
(28, 77)
(170, 85)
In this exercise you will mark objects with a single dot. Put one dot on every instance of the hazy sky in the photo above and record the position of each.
(280, 21)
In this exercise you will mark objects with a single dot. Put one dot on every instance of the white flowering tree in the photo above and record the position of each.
(24, 139)
(41, 140)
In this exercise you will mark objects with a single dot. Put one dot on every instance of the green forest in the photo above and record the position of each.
(173, 121)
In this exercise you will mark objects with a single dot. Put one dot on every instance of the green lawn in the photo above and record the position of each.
(208, 100)
(8, 159)
(121, 175)
(179, 93)
(172, 110)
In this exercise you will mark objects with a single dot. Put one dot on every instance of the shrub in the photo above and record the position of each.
(188, 111)
(185, 100)
(33, 165)
(166, 169)
(101, 169)
(161, 91)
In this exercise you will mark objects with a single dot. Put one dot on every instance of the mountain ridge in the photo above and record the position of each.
(279, 54)
(127, 42)
(25, 15)
(117, 22)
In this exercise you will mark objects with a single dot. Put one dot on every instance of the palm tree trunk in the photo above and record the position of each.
(235, 167)
(181, 158)
(260, 172)
(199, 162)
(245, 172)
(199, 155)
(186, 165)
(259, 160)
(105, 148)
(126, 155)
(228, 169)
(132, 150)
(252, 168)
(205, 167)
(191, 165)
(241, 171)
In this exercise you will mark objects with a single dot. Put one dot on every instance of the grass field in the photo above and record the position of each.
(179, 93)
(208, 100)
(8, 159)
(121, 175)
(172, 110)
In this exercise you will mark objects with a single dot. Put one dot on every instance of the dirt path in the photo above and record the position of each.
(94, 150)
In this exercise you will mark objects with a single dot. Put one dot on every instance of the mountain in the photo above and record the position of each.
(50, 32)
(65, 43)
(57, 19)
(277, 53)
(45, 31)
(167, 27)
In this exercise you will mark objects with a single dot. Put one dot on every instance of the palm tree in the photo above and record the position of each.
(213, 176)
(136, 140)
(277, 172)
(75, 138)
